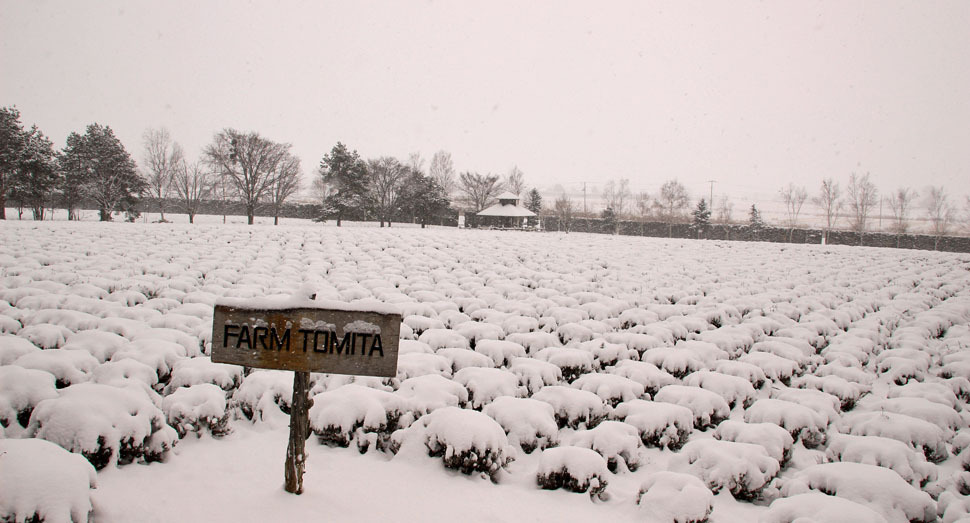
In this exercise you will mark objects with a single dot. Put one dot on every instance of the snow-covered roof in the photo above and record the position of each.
(508, 196)
(506, 210)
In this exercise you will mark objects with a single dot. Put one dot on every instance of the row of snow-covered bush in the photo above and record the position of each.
(781, 375)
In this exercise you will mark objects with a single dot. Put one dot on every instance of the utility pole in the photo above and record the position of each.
(710, 203)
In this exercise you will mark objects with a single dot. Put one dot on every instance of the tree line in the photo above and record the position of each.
(856, 205)
(94, 168)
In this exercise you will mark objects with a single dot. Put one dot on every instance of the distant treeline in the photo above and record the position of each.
(735, 232)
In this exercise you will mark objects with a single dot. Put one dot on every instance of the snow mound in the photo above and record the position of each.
(466, 440)
(800, 421)
(195, 371)
(775, 440)
(644, 373)
(616, 441)
(812, 507)
(196, 408)
(575, 469)
(917, 433)
(573, 407)
(744, 469)
(105, 424)
(529, 423)
(882, 452)
(100, 344)
(611, 388)
(430, 392)
(664, 425)
(67, 366)
(675, 497)
(534, 374)
(265, 395)
(339, 415)
(734, 390)
(486, 384)
(20, 391)
(709, 408)
(879, 488)
(40, 481)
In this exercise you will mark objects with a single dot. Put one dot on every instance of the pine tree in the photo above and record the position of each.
(97, 166)
(702, 217)
(345, 174)
(534, 203)
(755, 224)
(37, 177)
(11, 150)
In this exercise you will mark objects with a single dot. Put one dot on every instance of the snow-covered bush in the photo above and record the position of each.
(611, 388)
(675, 497)
(775, 440)
(430, 392)
(414, 364)
(20, 391)
(734, 390)
(534, 341)
(529, 423)
(466, 440)
(878, 488)
(40, 481)
(464, 358)
(709, 408)
(118, 372)
(502, 352)
(354, 411)
(160, 355)
(644, 373)
(100, 344)
(848, 392)
(105, 424)
(775, 367)
(475, 331)
(882, 452)
(67, 366)
(748, 371)
(13, 347)
(816, 506)
(443, 338)
(197, 407)
(616, 441)
(659, 424)
(265, 395)
(486, 384)
(677, 362)
(534, 374)
(800, 421)
(744, 469)
(573, 407)
(941, 393)
(821, 402)
(917, 433)
(45, 335)
(607, 354)
(573, 363)
(924, 409)
(194, 371)
(575, 469)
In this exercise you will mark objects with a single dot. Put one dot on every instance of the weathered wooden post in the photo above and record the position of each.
(338, 339)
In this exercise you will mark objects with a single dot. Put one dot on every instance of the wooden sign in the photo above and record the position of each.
(362, 343)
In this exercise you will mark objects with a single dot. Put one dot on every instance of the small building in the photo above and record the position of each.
(505, 214)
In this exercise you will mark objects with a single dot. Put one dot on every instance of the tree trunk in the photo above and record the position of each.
(191, 217)
(338, 220)
(299, 432)
(3, 204)
(276, 220)
(105, 215)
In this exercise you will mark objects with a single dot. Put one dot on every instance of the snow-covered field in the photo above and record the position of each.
(663, 380)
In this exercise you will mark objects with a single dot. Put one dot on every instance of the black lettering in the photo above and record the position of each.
(244, 338)
(228, 334)
(259, 335)
(305, 333)
(280, 342)
(376, 345)
(345, 344)
(363, 343)
(316, 336)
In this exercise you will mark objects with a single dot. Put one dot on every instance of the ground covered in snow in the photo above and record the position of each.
(542, 377)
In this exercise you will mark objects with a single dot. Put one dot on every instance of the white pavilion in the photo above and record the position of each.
(506, 213)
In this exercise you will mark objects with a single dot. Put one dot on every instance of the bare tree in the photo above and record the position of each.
(416, 163)
(386, 176)
(863, 197)
(285, 184)
(479, 190)
(192, 184)
(443, 171)
(829, 200)
(515, 181)
(672, 201)
(794, 198)
(564, 210)
(899, 204)
(724, 210)
(616, 195)
(966, 212)
(248, 161)
(940, 213)
(162, 159)
(643, 205)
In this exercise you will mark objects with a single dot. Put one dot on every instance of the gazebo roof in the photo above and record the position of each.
(508, 196)
(513, 211)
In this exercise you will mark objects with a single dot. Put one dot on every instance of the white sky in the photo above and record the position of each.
(753, 95)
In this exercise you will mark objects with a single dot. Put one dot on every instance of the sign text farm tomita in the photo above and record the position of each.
(305, 340)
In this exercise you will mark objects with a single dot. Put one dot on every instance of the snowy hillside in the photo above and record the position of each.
(542, 377)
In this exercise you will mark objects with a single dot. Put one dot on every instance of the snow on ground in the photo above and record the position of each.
(543, 377)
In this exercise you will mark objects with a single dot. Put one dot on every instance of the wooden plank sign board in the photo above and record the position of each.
(307, 340)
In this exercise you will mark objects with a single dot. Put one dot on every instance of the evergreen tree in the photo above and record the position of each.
(611, 220)
(424, 199)
(345, 174)
(11, 151)
(97, 166)
(702, 217)
(755, 224)
(37, 177)
(533, 202)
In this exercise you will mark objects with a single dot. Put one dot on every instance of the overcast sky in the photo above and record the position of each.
(751, 94)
